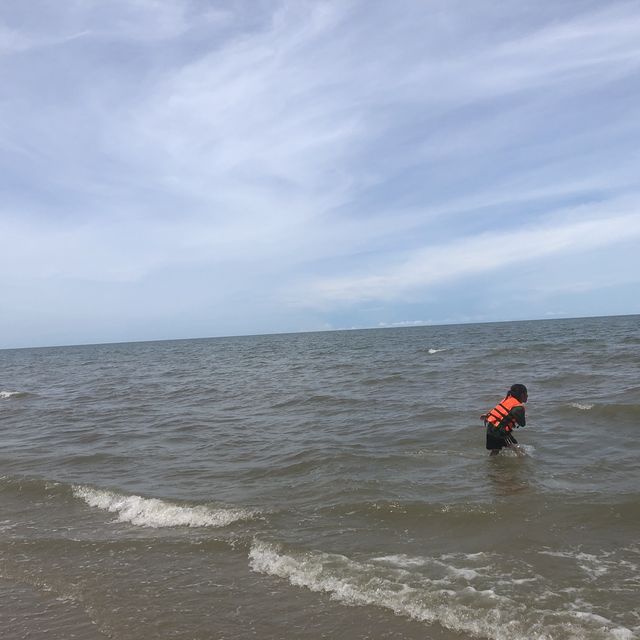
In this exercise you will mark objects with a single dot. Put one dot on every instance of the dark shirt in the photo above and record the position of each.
(518, 414)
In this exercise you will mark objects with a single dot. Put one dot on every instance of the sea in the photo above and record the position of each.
(323, 485)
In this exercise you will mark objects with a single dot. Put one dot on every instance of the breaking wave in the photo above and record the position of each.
(583, 406)
(5, 395)
(447, 598)
(152, 512)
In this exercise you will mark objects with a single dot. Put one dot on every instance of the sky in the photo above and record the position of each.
(191, 168)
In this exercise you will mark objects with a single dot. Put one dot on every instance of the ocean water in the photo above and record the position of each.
(324, 485)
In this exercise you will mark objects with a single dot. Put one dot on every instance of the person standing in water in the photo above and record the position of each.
(503, 418)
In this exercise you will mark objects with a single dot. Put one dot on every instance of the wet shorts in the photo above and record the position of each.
(498, 442)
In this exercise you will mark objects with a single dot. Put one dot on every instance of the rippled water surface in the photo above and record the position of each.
(328, 485)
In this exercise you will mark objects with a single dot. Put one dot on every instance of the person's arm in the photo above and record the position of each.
(518, 415)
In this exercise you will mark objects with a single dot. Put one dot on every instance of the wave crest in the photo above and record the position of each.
(152, 512)
(5, 395)
(583, 406)
(447, 598)
(362, 584)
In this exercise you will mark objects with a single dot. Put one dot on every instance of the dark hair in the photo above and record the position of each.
(518, 391)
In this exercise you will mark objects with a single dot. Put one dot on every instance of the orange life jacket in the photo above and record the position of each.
(500, 412)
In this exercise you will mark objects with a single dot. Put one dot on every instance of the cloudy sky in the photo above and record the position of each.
(188, 168)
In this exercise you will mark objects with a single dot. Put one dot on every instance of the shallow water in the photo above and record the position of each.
(323, 485)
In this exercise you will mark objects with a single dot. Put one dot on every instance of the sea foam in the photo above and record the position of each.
(357, 583)
(582, 406)
(5, 395)
(152, 512)
(404, 561)
(463, 609)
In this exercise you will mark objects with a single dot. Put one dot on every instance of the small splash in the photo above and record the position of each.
(5, 395)
(520, 451)
(582, 406)
(432, 351)
(152, 512)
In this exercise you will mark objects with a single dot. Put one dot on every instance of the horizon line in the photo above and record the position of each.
(302, 332)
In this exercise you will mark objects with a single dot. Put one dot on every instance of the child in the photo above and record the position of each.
(503, 418)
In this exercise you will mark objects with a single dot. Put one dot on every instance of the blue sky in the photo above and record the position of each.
(175, 169)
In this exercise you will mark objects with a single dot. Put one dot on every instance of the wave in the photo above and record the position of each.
(156, 513)
(609, 411)
(593, 566)
(140, 511)
(430, 351)
(447, 599)
(5, 395)
(583, 406)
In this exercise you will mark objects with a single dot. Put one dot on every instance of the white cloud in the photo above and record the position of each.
(469, 256)
(340, 153)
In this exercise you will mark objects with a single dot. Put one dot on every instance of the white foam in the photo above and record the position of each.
(151, 512)
(621, 633)
(479, 555)
(467, 574)
(404, 561)
(462, 609)
(467, 610)
(432, 351)
(582, 406)
(617, 633)
(5, 395)
(593, 566)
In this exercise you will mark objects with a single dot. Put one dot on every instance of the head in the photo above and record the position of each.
(519, 392)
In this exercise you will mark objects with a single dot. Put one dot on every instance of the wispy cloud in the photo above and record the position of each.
(312, 158)
(460, 258)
